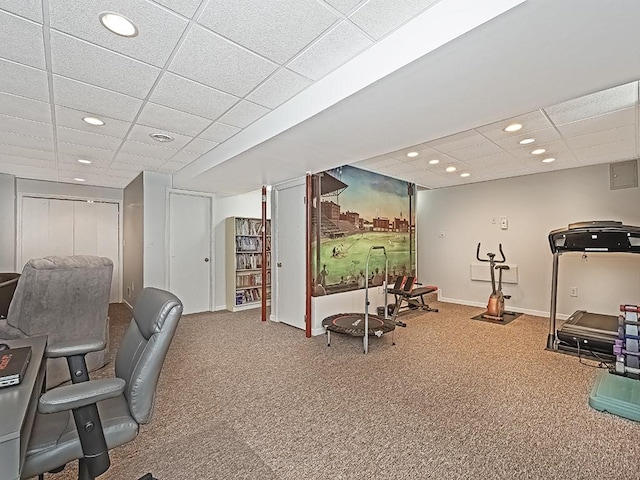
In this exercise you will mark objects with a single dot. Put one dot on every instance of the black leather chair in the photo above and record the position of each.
(106, 412)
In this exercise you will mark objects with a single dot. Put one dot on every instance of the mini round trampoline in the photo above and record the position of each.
(353, 324)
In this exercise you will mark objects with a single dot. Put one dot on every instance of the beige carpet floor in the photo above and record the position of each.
(455, 398)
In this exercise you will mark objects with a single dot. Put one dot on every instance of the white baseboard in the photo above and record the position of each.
(535, 313)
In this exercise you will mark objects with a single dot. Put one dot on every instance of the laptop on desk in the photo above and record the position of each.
(13, 365)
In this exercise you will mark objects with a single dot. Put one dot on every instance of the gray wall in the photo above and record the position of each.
(8, 222)
(451, 221)
(132, 248)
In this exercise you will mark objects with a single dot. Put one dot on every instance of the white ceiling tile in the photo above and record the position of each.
(627, 132)
(343, 6)
(94, 100)
(277, 32)
(608, 157)
(141, 133)
(85, 151)
(184, 157)
(159, 29)
(172, 167)
(19, 151)
(71, 135)
(219, 132)
(96, 162)
(183, 7)
(546, 135)
(95, 65)
(335, 48)
(214, 61)
(67, 117)
(380, 17)
(531, 122)
(457, 141)
(22, 126)
(119, 169)
(24, 81)
(606, 150)
(31, 9)
(490, 160)
(144, 149)
(200, 146)
(165, 118)
(8, 138)
(475, 151)
(192, 97)
(552, 148)
(606, 121)
(244, 114)
(23, 107)
(598, 103)
(283, 85)
(21, 40)
(10, 163)
(133, 160)
(82, 171)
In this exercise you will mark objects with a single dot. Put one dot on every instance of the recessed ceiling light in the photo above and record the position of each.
(527, 141)
(435, 161)
(465, 175)
(118, 24)
(450, 169)
(79, 179)
(514, 127)
(161, 137)
(412, 154)
(538, 151)
(93, 121)
(82, 160)
(548, 160)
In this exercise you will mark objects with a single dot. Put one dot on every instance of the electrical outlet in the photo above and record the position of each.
(573, 292)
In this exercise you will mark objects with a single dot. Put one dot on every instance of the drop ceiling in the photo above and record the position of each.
(259, 92)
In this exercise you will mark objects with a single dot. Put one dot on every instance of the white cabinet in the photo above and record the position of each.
(244, 254)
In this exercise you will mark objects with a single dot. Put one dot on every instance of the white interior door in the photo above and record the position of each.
(290, 255)
(190, 262)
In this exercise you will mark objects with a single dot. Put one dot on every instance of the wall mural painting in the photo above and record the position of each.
(353, 210)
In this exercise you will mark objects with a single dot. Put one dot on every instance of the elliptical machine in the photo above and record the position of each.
(495, 305)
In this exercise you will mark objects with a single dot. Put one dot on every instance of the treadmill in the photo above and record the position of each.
(592, 332)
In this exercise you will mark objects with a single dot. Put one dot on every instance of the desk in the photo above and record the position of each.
(18, 406)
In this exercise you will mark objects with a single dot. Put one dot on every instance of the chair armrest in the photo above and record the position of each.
(75, 347)
(78, 395)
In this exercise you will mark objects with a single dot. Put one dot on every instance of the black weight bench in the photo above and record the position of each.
(409, 298)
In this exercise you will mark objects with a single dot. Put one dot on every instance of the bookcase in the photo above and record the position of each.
(244, 262)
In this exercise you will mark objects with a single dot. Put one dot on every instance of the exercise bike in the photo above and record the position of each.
(495, 305)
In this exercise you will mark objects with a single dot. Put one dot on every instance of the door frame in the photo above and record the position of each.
(212, 264)
(77, 198)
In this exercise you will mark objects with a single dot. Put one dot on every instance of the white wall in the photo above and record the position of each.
(7, 223)
(246, 205)
(534, 205)
(133, 240)
(155, 207)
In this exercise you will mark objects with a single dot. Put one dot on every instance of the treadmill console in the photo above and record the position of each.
(597, 236)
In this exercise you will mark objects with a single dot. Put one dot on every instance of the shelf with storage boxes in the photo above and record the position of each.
(244, 262)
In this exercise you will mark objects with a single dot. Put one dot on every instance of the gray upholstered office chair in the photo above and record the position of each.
(66, 298)
(107, 412)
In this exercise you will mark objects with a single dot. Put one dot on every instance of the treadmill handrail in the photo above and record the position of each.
(596, 236)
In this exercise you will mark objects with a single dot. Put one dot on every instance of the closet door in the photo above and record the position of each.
(95, 232)
(70, 227)
(46, 227)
